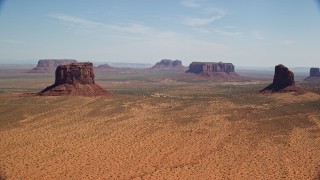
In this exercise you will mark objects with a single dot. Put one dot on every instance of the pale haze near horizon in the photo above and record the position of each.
(246, 33)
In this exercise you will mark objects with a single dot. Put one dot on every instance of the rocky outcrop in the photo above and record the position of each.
(283, 81)
(49, 65)
(74, 79)
(208, 67)
(314, 75)
(168, 64)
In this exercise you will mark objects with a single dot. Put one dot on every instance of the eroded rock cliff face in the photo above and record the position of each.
(168, 64)
(74, 73)
(207, 67)
(283, 80)
(74, 79)
(49, 65)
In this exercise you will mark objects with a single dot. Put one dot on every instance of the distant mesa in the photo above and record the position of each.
(168, 64)
(49, 65)
(315, 72)
(314, 75)
(283, 81)
(54, 62)
(104, 66)
(215, 70)
(74, 79)
(210, 67)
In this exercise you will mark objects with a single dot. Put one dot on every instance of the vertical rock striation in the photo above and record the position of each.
(81, 73)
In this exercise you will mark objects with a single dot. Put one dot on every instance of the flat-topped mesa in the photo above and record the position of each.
(207, 67)
(168, 64)
(283, 80)
(314, 72)
(54, 62)
(74, 79)
(74, 73)
(49, 65)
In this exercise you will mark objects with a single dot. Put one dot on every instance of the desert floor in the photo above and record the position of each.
(157, 126)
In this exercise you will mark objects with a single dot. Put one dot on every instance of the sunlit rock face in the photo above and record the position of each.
(74, 73)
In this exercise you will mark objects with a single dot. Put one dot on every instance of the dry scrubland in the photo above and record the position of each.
(158, 126)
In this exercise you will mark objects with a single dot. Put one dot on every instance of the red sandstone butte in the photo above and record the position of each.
(283, 81)
(74, 79)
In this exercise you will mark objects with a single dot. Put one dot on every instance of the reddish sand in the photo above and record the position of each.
(124, 137)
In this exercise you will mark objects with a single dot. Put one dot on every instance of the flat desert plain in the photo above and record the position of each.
(158, 126)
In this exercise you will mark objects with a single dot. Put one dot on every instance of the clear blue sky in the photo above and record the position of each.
(246, 33)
